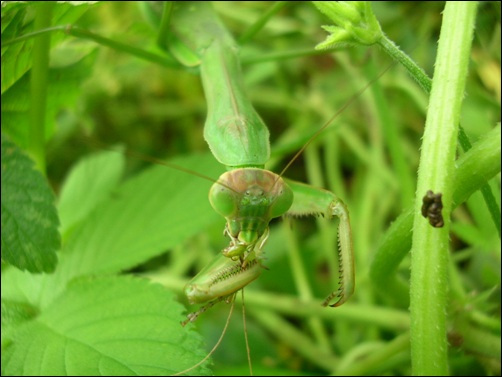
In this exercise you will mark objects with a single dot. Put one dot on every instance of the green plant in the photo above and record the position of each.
(157, 222)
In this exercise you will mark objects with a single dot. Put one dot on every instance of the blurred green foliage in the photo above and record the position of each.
(160, 112)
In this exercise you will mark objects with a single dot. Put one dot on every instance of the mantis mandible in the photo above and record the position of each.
(248, 196)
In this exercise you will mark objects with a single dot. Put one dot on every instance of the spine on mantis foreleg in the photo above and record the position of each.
(346, 254)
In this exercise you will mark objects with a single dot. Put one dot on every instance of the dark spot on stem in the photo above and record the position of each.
(432, 206)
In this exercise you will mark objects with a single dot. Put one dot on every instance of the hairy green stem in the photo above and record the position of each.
(474, 169)
(429, 257)
(413, 69)
(425, 83)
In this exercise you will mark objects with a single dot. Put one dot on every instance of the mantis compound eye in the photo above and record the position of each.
(283, 201)
(223, 200)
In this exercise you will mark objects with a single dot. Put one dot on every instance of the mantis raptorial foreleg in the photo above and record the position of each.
(229, 273)
(311, 201)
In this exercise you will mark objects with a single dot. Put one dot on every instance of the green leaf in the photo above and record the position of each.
(29, 219)
(13, 314)
(90, 182)
(142, 218)
(106, 326)
(17, 20)
(63, 91)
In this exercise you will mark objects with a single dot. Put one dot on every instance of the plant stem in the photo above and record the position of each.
(428, 290)
(297, 339)
(413, 69)
(164, 25)
(487, 193)
(258, 24)
(281, 55)
(474, 169)
(369, 364)
(426, 83)
(165, 61)
(479, 341)
(78, 32)
(390, 319)
(391, 132)
(38, 84)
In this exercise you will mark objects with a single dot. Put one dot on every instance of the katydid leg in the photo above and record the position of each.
(312, 201)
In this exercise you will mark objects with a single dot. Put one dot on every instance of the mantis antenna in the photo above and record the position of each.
(248, 350)
(193, 316)
(335, 115)
(157, 161)
(215, 346)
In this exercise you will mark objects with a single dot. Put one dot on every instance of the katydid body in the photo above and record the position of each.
(246, 195)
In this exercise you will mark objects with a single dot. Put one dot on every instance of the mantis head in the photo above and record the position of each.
(249, 198)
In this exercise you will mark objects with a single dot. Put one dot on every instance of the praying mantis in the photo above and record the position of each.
(246, 195)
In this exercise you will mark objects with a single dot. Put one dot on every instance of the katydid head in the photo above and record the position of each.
(249, 198)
